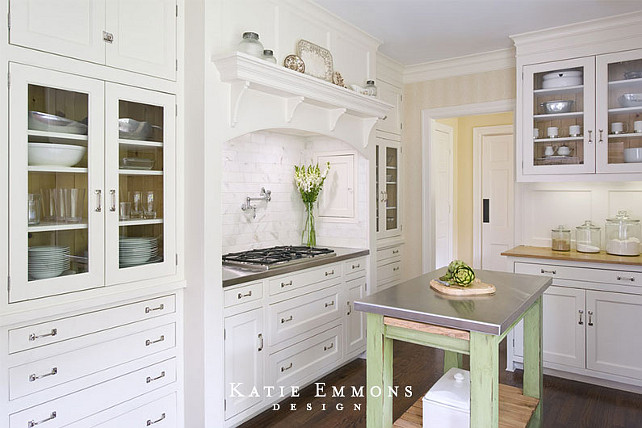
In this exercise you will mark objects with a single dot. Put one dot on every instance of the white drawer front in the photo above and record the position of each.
(49, 372)
(45, 333)
(244, 294)
(606, 276)
(73, 407)
(158, 414)
(389, 253)
(298, 315)
(389, 271)
(296, 280)
(355, 266)
(292, 364)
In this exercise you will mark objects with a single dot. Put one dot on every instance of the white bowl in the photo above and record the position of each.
(633, 155)
(41, 154)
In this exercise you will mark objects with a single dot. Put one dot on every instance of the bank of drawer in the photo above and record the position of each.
(389, 271)
(298, 315)
(48, 332)
(389, 253)
(607, 276)
(301, 279)
(49, 372)
(292, 364)
(158, 414)
(74, 407)
(244, 294)
(355, 266)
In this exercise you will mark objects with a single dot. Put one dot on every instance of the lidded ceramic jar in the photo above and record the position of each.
(587, 237)
(561, 239)
(251, 45)
(623, 235)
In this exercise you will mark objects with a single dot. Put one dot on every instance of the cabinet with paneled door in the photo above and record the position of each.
(392, 95)
(92, 168)
(134, 35)
(387, 187)
(582, 116)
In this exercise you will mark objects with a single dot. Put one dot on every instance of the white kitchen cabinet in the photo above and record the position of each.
(390, 94)
(134, 35)
(388, 266)
(355, 328)
(244, 360)
(338, 194)
(77, 242)
(387, 187)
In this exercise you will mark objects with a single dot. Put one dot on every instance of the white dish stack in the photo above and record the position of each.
(48, 261)
(137, 250)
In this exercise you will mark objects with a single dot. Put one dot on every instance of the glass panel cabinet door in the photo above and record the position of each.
(619, 112)
(387, 163)
(559, 103)
(56, 174)
(391, 180)
(140, 174)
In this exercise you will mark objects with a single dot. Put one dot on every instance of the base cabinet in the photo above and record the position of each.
(355, 330)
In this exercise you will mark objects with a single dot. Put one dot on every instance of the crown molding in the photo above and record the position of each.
(389, 70)
(459, 66)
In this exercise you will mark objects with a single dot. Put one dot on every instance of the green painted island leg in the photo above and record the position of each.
(379, 375)
(452, 359)
(484, 380)
(533, 374)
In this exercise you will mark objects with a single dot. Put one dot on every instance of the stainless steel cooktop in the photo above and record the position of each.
(274, 257)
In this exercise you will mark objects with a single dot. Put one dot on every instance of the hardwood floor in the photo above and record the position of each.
(567, 404)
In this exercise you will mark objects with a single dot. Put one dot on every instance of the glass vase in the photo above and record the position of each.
(309, 235)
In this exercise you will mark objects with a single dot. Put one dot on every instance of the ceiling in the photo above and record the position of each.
(417, 31)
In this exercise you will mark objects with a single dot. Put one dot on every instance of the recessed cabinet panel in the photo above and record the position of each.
(355, 325)
(338, 193)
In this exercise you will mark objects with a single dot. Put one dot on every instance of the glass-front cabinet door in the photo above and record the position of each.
(387, 163)
(56, 175)
(559, 135)
(140, 183)
(619, 112)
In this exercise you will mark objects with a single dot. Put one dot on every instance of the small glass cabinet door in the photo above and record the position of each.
(140, 183)
(387, 164)
(619, 112)
(559, 103)
(56, 171)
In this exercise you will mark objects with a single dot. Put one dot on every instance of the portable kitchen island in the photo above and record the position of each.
(414, 312)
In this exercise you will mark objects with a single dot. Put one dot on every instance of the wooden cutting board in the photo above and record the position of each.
(475, 289)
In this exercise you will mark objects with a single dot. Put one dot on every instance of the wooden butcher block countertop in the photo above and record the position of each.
(572, 256)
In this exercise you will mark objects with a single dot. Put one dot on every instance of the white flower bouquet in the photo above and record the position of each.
(309, 180)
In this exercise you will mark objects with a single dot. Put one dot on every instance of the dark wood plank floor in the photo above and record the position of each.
(567, 404)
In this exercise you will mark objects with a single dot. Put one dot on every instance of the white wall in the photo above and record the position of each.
(544, 206)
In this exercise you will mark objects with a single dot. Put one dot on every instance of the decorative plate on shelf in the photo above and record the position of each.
(318, 60)
(295, 63)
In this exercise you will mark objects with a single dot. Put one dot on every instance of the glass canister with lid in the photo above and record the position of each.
(587, 237)
(561, 239)
(623, 235)
(250, 44)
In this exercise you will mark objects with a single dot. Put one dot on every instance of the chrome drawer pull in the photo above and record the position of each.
(285, 284)
(357, 266)
(284, 320)
(552, 272)
(395, 269)
(99, 203)
(34, 377)
(329, 273)
(34, 336)
(349, 309)
(395, 251)
(329, 304)
(112, 193)
(286, 368)
(628, 278)
(160, 376)
(261, 342)
(158, 308)
(108, 37)
(325, 348)
(151, 342)
(590, 316)
(581, 312)
(33, 423)
(151, 422)
(248, 294)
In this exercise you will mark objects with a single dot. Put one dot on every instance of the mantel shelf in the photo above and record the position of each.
(245, 72)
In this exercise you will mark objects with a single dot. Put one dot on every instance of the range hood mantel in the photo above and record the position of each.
(306, 101)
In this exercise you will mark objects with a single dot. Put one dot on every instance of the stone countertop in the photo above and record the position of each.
(571, 256)
(236, 275)
(415, 300)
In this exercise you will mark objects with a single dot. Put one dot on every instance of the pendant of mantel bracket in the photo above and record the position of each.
(291, 105)
(334, 115)
(368, 124)
(237, 91)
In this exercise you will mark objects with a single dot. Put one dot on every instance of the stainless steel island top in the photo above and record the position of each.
(491, 314)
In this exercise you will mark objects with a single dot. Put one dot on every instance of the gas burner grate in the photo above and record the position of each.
(275, 256)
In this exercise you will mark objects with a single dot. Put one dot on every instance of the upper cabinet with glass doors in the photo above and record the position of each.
(134, 35)
(583, 116)
(387, 180)
(92, 183)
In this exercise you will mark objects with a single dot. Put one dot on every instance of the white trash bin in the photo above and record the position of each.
(447, 403)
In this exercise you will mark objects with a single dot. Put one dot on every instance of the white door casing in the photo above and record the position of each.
(442, 173)
(493, 183)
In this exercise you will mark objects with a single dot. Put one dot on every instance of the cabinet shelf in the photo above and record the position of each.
(627, 135)
(139, 172)
(542, 117)
(140, 222)
(552, 140)
(567, 90)
(626, 110)
(55, 137)
(69, 169)
(140, 143)
(54, 227)
(626, 82)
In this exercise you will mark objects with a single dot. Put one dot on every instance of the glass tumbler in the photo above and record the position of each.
(136, 198)
(34, 208)
(149, 205)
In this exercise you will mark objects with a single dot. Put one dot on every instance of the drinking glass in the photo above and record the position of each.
(149, 205)
(125, 210)
(33, 208)
(74, 204)
(136, 198)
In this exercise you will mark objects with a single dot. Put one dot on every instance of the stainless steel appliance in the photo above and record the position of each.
(275, 257)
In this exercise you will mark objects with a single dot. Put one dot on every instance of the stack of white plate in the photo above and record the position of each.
(48, 261)
(135, 251)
